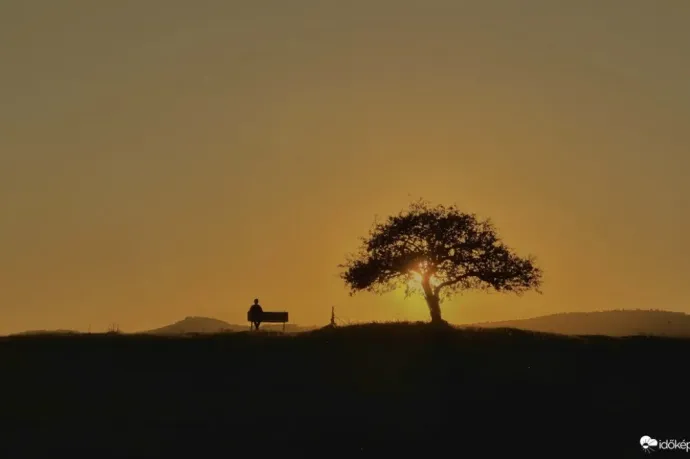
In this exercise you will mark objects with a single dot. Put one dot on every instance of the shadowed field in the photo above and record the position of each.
(368, 388)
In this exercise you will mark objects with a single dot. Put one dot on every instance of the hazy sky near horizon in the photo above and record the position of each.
(160, 159)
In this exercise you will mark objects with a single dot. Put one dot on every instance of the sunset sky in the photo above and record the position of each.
(168, 158)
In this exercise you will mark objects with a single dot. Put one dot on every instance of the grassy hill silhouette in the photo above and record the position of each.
(372, 388)
(612, 323)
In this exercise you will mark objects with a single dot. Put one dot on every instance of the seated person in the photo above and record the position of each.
(255, 312)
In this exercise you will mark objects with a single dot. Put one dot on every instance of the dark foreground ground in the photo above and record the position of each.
(363, 390)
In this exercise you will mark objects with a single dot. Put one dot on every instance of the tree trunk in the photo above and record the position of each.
(434, 303)
(434, 309)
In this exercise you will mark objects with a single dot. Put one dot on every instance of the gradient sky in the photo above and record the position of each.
(160, 159)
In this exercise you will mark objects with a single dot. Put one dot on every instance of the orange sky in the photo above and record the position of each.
(160, 159)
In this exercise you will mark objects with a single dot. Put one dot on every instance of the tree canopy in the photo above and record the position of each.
(442, 248)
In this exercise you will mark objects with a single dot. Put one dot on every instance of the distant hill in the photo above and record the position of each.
(211, 325)
(193, 325)
(46, 332)
(612, 323)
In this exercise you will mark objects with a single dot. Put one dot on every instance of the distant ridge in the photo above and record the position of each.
(620, 322)
(195, 324)
(46, 332)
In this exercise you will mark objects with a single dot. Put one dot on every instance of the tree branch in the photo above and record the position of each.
(454, 281)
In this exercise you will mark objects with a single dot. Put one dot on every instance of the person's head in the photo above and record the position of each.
(256, 301)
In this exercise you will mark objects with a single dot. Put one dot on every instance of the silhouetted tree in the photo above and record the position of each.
(445, 250)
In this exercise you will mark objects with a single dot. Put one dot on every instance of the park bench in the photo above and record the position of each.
(268, 317)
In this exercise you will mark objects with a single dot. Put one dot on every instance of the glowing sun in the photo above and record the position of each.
(415, 281)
